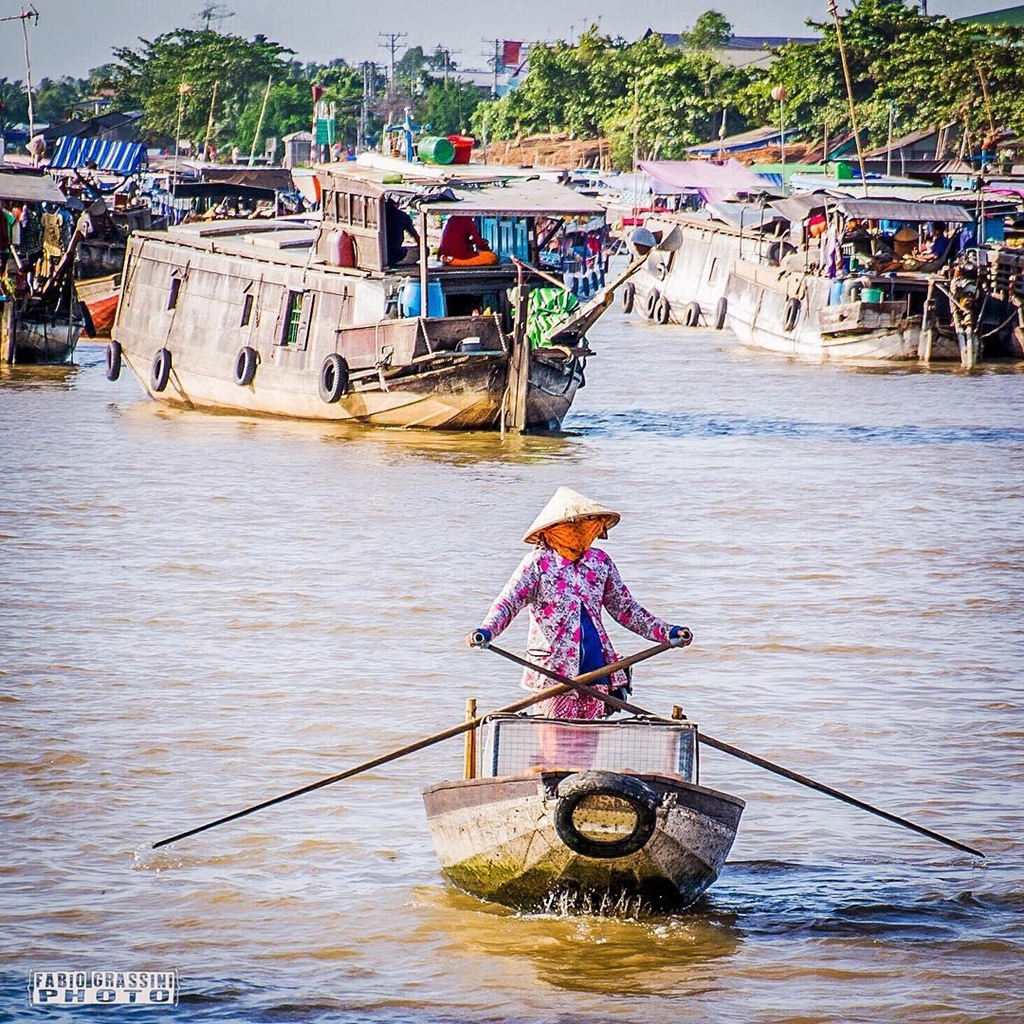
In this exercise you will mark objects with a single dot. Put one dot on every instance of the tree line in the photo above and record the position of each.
(644, 98)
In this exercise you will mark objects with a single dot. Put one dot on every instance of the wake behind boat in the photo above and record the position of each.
(318, 319)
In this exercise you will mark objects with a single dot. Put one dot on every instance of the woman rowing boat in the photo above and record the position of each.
(565, 583)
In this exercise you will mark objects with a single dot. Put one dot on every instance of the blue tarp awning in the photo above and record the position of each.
(117, 157)
(758, 138)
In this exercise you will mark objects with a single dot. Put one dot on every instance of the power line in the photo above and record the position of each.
(390, 41)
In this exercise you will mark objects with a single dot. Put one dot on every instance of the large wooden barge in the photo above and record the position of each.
(315, 318)
(758, 268)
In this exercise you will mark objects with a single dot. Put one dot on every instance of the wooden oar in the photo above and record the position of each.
(728, 748)
(457, 730)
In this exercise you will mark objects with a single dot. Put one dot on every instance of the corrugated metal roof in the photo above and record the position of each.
(802, 205)
(518, 198)
(895, 209)
(117, 157)
(29, 188)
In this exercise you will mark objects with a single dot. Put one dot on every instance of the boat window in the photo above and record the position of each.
(172, 295)
(371, 213)
(297, 319)
(342, 212)
(246, 310)
(292, 319)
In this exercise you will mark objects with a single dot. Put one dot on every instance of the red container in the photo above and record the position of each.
(463, 148)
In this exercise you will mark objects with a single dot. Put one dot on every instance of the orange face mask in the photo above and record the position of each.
(571, 540)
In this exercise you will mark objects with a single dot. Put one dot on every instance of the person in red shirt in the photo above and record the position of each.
(461, 243)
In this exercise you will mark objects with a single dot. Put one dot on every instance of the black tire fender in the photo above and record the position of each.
(792, 314)
(333, 381)
(721, 311)
(113, 360)
(628, 297)
(691, 315)
(245, 366)
(640, 796)
(662, 311)
(160, 373)
(652, 303)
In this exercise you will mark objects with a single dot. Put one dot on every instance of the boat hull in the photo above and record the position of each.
(99, 297)
(690, 279)
(504, 840)
(779, 312)
(36, 335)
(233, 332)
(466, 392)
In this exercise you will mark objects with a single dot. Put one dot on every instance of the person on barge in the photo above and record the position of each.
(565, 583)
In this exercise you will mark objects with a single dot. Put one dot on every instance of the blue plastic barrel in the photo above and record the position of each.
(835, 294)
(410, 299)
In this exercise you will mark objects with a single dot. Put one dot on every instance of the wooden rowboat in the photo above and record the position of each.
(591, 817)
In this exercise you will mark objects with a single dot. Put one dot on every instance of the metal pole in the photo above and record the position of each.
(834, 11)
(782, 139)
(888, 153)
(25, 15)
(259, 124)
(209, 123)
(183, 90)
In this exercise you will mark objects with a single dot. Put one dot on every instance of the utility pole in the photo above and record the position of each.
(369, 70)
(390, 41)
(447, 55)
(213, 12)
(25, 16)
(497, 65)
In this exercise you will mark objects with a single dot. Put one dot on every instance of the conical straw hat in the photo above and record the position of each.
(566, 506)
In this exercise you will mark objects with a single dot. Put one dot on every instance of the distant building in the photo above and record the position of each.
(1006, 16)
(298, 149)
(742, 51)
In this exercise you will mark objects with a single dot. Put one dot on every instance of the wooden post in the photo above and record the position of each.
(924, 344)
(8, 326)
(469, 756)
(259, 126)
(518, 367)
(424, 282)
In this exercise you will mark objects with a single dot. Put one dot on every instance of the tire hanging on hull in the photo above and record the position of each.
(160, 373)
(575, 789)
(333, 382)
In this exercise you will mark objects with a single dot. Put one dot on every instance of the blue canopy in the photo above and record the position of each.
(118, 157)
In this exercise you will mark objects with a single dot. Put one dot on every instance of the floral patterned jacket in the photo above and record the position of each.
(554, 589)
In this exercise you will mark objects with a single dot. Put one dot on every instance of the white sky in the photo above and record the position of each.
(73, 36)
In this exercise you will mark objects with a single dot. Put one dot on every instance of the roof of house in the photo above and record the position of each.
(756, 138)
(29, 187)
(1004, 16)
(738, 42)
(91, 127)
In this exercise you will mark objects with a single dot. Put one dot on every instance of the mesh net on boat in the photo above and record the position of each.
(517, 743)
